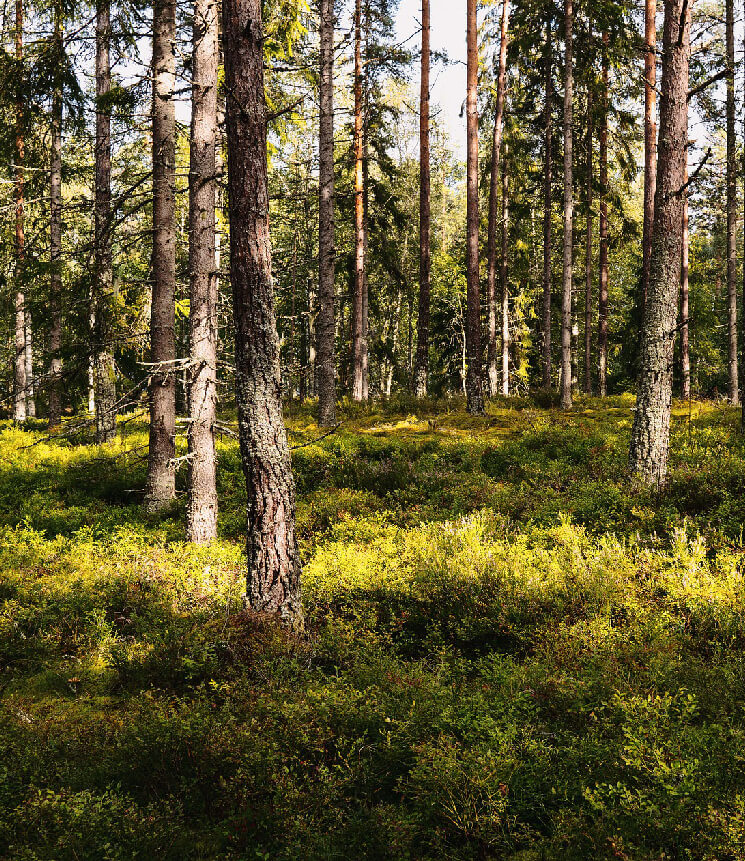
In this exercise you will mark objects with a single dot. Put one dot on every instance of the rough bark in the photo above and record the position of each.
(103, 279)
(19, 366)
(161, 476)
(491, 243)
(566, 294)
(474, 392)
(650, 137)
(504, 279)
(202, 505)
(685, 356)
(273, 583)
(421, 369)
(650, 437)
(29, 358)
(547, 180)
(55, 239)
(588, 250)
(603, 229)
(325, 319)
(358, 299)
(734, 387)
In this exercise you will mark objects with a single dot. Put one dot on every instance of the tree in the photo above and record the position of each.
(326, 318)
(650, 436)
(273, 583)
(421, 369)
(734, 388)
(55, 233)
(547, 180)
(566, 295)
(650, 136)
(491, 244)
(474, 394)
(161, 474)
(603, 229)
(359, 300)
(588, 245)
(103, 278)
(20, 379)
(685, 357)
(504, 279)
(202, 505)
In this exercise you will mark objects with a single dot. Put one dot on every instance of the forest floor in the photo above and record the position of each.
(509, 654)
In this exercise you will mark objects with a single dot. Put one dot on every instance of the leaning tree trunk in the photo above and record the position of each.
(603, 226)
(326, 317)
(504, 279)
(588, 250)
(19, 365)
(650, 436)
(358, 299)
(55, 238)
(685, 355)
(161, 475)
(272, 552)
(421, 369)
(474, 393)
(201, 510)
(566, 295)
(491, 243)
(547, 233)
(734, 387)
(650, 137)
(103, 278)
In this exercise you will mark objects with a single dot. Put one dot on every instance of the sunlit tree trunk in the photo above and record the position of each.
(55, 237)
(685, 356)
(161, 477)
(358, 303)
(29, 357)
(588, 250)
(504, 279)
(650, 136)
(474, 392)
(422, 345)
(19, 367)
(650, 437)
(273, 559)
(325, 319)
(202, 504)
(491, 244)
(734, 387)
(603, 229)
(566, 295)
(547, 233)
(103, 280)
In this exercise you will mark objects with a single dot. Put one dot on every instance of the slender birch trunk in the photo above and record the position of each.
(421, 369)
(19, 368)
(603, 226)
(358, 299)
(588, 249)
(504, 278)
(547, 232)
(734, 386)
(685, 356)
(566, 296)
(55, 237)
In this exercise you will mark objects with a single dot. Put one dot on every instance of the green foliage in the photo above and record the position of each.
(509, 654)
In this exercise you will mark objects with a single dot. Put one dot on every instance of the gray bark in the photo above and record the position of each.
(55, 240)
(566, 295)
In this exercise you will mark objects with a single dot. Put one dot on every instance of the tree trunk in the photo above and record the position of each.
(650, 137)
(650, 437)
(55, 238)
(734, 387)
(161, 475)
(325, 319)
(547, 179)
(19, 368)
(588, 251)
(491, 245)
(504, 280)
(103, 279)
(273, 583)
(358, 303)
(685, 357)
(603, 286)
(566, 295)
(29, 358)
(421, 370)
(202, 505)
(474, 393)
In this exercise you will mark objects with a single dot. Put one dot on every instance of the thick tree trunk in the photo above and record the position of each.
(103, 279)
(421, 369)
(474, 393)
(504, 279)
(272, 552)
(161, 476)
(359, 345)
(588, 251)
(650, 137)
(603, 279)
(547, 233)
(685, 356)
(734, 387)
(650, 437)
(325, 319)
(19, 366)
(566, 295)
(55, 239)
(491, 244)
(202, 506)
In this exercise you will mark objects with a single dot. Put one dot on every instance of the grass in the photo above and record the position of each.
(510, 653)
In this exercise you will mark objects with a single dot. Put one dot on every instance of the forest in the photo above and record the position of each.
(372, 455)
